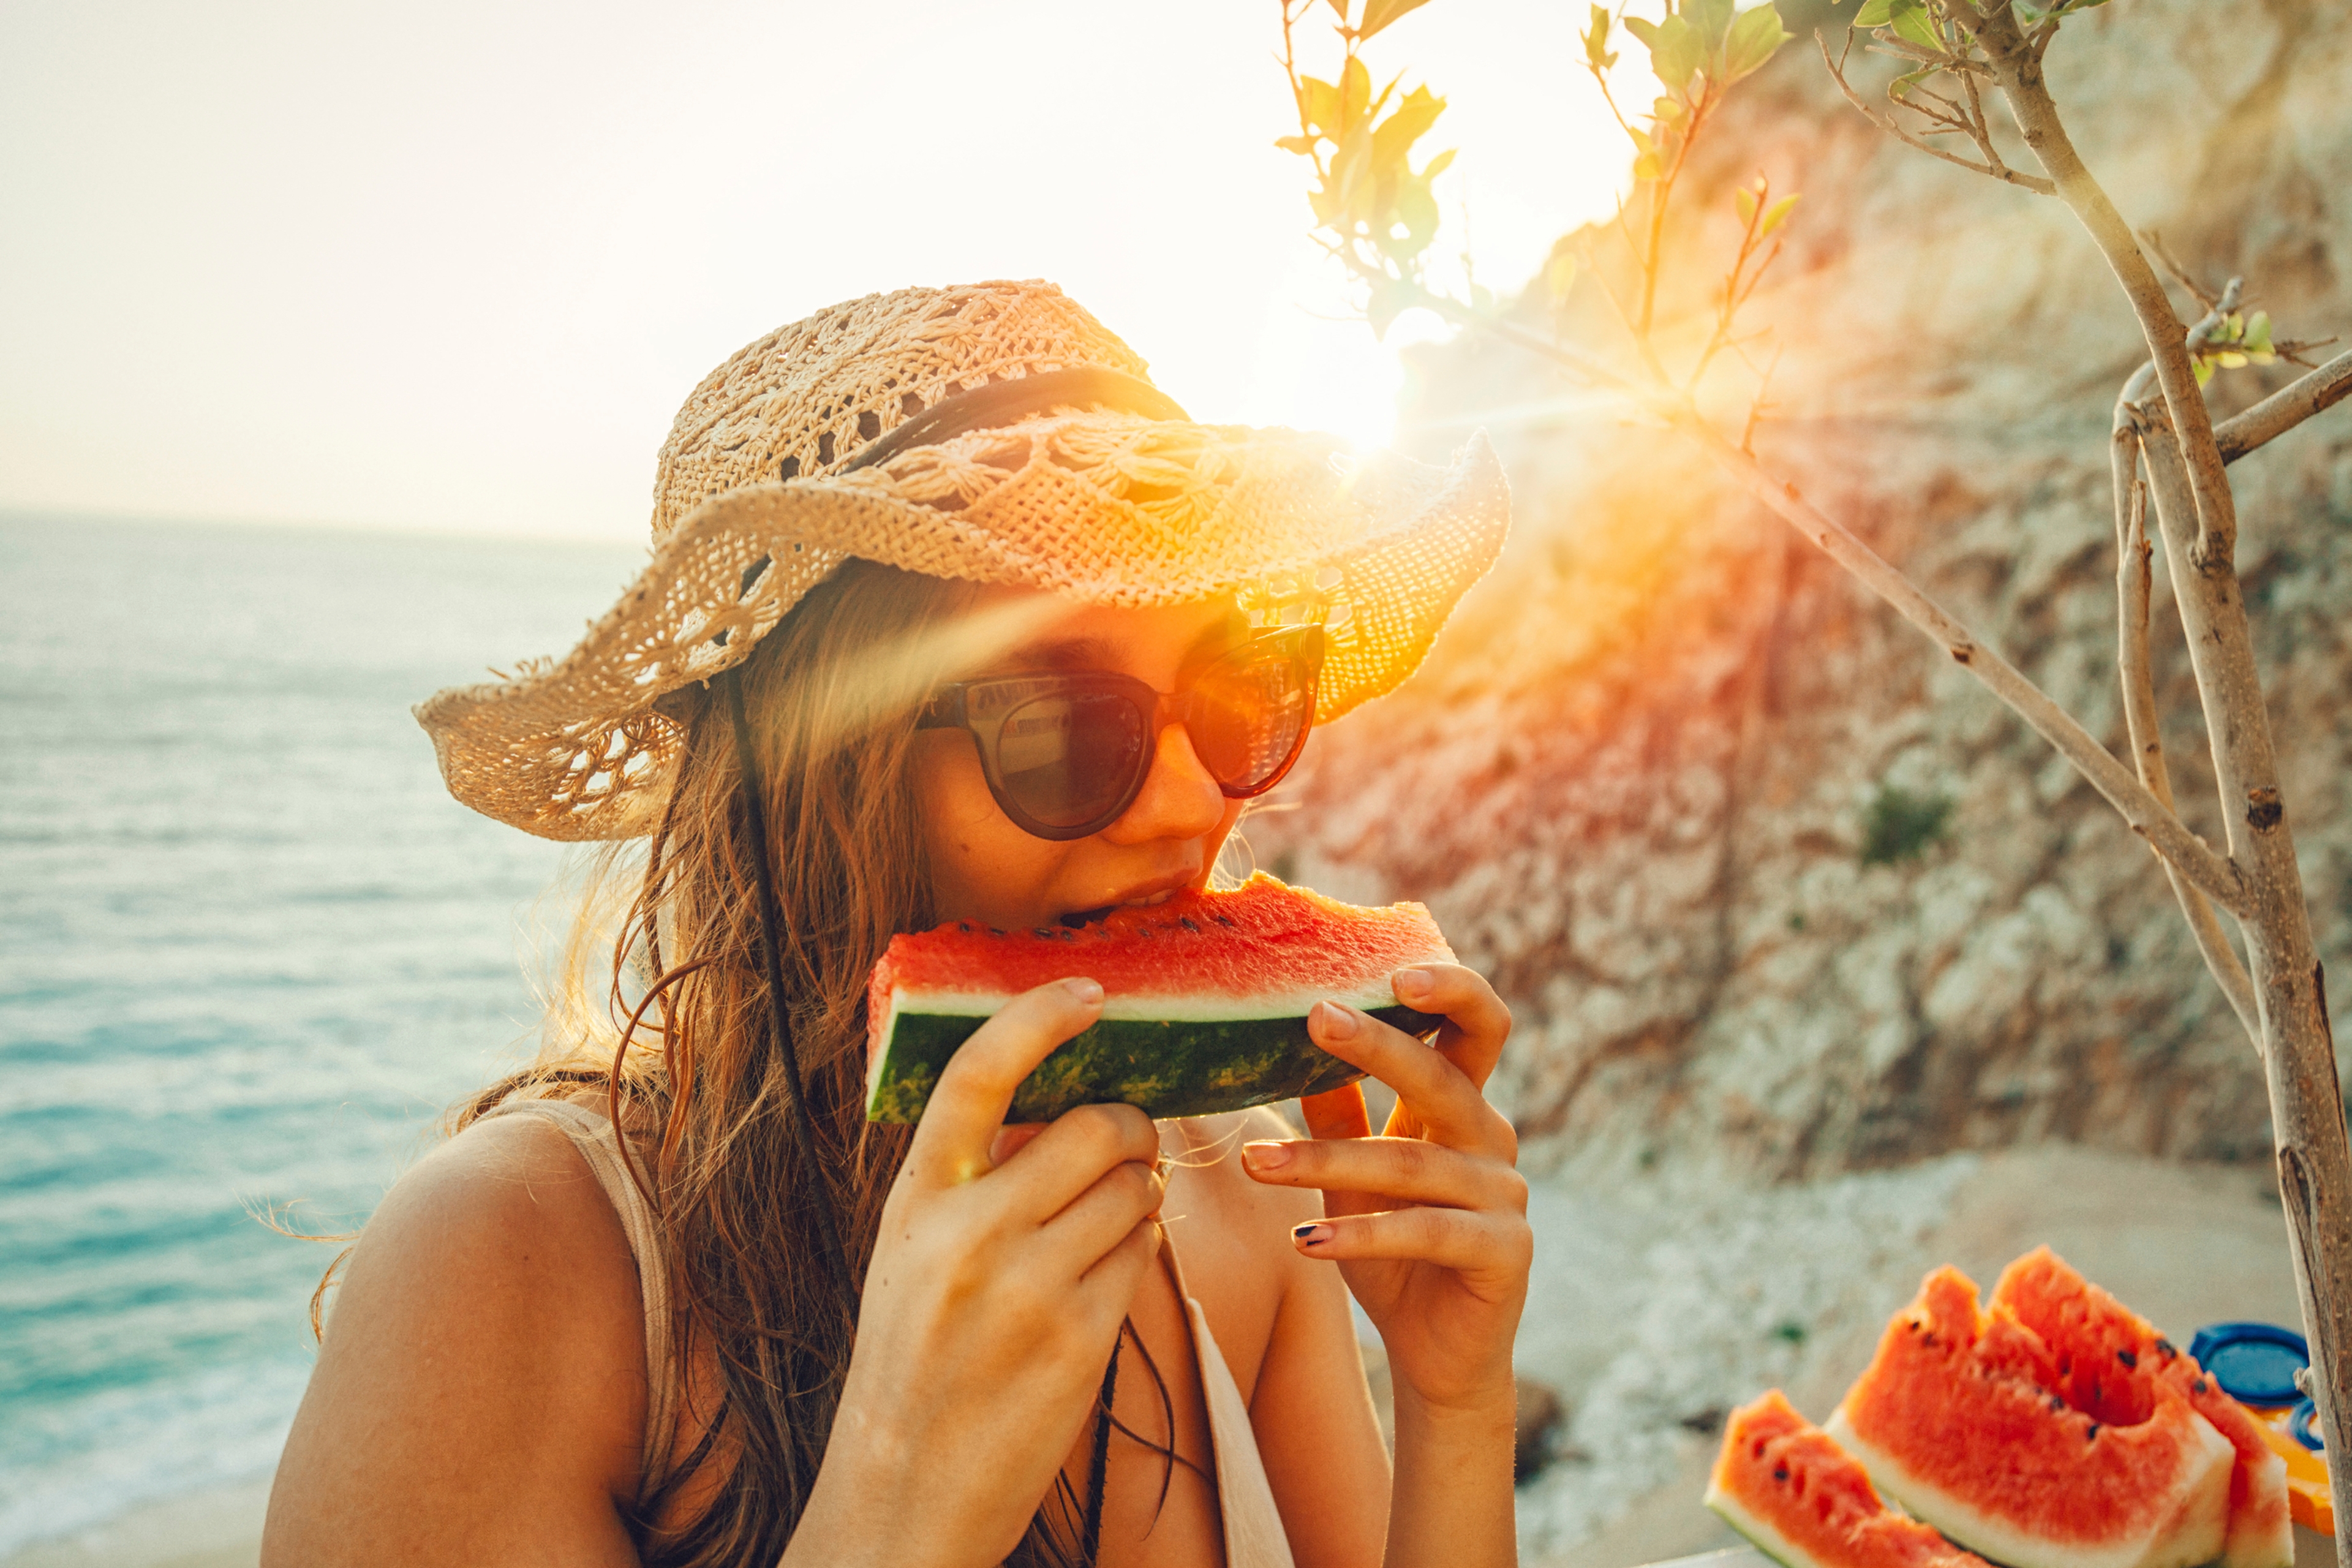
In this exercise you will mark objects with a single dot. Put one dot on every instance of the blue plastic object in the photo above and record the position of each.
(2300, 1425)
(2255, 1363)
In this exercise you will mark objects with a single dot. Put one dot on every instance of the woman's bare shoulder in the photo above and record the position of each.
(482, 1378)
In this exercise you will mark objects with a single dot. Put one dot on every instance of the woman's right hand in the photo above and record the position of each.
(992, 1306)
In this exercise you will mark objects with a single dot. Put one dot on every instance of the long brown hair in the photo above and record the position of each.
(699, 1089)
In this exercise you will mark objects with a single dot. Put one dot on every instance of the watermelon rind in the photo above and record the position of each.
(1760, 1535)
(1171, 1057)
(2195, 1534)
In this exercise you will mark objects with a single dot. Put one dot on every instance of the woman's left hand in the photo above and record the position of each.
(1428, 1222)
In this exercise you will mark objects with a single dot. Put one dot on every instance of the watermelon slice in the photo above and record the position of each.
(1973, 1423)
(1206, 1003)
(1783, 1483)
(2108, 1354)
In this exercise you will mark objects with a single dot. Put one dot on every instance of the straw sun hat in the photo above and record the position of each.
(995, 433)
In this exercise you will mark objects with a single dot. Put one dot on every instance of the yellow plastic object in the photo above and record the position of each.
(2307, 1472)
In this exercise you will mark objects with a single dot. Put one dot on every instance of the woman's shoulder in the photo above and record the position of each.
(485, 1344)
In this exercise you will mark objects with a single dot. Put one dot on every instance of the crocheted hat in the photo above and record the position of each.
(993, 433)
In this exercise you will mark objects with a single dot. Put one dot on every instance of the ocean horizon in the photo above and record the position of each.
(250, 952)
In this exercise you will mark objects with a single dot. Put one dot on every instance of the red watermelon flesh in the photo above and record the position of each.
(1205, 1008)
(2112, 1359)
(1781, 1482)
(1969, 1418)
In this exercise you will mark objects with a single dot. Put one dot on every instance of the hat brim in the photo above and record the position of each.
(1108, 509)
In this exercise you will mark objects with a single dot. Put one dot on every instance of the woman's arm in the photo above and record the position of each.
(480, 1394)
(1428, 1224)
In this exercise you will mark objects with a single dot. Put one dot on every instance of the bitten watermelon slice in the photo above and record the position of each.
(1205, 1006)
(1781, 1482)
(2108, 1353)
(1974, 1424)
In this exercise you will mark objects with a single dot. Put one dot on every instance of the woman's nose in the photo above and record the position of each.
(1179, 799)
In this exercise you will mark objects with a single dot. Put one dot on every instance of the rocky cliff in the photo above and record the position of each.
(1768, 879)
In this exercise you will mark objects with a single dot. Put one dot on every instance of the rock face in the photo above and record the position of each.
(1767, 878)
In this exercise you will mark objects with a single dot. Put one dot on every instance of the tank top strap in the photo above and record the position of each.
(1254, 1534)
(593, 1134)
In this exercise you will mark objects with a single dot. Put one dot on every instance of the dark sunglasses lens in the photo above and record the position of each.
(1070, 758)
(1247, 715)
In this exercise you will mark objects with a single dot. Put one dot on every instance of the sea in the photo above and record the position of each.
(250, 952)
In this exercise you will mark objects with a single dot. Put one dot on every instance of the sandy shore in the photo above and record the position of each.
(1652, 1306)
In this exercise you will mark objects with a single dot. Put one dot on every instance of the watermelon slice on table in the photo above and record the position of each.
(1975, 1424)
(1205, 1006)
(1785, 1485)
(2108, 1353)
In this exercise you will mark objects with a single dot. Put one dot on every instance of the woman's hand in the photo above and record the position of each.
(1428, 1224)
(991, 1309)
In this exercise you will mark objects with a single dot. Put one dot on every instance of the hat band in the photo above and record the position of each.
(1006, 402)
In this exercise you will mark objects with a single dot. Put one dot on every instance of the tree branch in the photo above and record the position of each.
(2282, 410)
(2017, 66)
(2133, 579)
(1888, 123)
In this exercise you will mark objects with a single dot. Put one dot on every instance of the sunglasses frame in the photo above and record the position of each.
(952, 707)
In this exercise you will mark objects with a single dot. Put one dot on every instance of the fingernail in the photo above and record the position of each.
(1267, 1156)
(1311, 1235)
(1084, 990)
(1338, 1023)
(1412, 984)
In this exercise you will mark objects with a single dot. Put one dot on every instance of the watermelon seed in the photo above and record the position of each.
(2199, 1386)
(2056, 1404)
(993, 931)
(1186, 922)
(1046, 931)
(1222, 920)
(964, 926)
(1781, 1472)
(2091, 1435)
(2128, 1359)
(2164, 1348)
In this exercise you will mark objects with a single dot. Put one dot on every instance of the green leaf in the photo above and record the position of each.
(1874, 14)
(1379, 14)
(2230, 360)
(1596, 41)
(2204, 369)
(1414, 117)
(1320, 101)
(1676, 55)
(1355, 95)
(1909, 79)
(1303, 145)
(1913, 24)
(2258, 334)
(1341, 7)
(1645, 31)
(1745, 200)
(1754, 38)
(1438, 165)
(1778, 214)
(1709, 20)
(1648, 166)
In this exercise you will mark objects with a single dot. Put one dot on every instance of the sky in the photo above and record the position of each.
(455, 266)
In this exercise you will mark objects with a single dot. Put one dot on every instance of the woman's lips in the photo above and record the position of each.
(1142, 896)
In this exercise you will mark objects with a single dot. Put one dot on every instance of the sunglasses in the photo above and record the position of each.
(1066, 754)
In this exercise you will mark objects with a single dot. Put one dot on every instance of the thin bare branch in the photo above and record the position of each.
(2133, 582)
(1887, 122)
(2180, 275)
(2017, 66)
(2285, 410)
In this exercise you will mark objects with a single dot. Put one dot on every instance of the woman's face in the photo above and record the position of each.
(986, 869)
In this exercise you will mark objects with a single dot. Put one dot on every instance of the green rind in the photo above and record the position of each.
(1168, 1068)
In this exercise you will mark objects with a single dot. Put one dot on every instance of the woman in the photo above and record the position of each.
(751, 1328)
